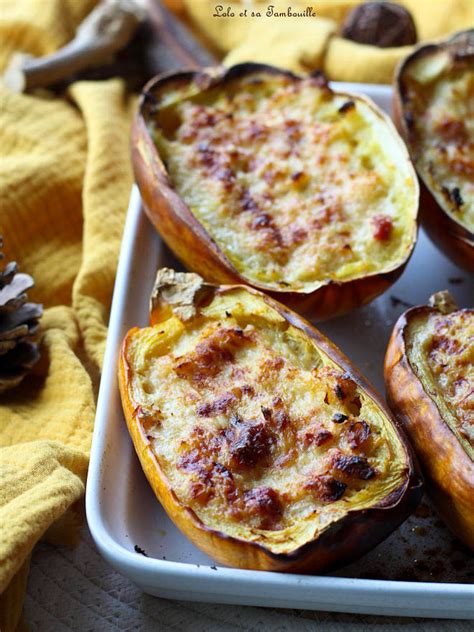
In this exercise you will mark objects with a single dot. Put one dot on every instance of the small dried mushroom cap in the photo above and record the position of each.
(18, 326)
(443, 302)
(178, 291)
(381, 24)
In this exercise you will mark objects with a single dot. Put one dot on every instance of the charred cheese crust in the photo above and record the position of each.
(255, 428)
(441, 352)
(297, 185)
(440, 90)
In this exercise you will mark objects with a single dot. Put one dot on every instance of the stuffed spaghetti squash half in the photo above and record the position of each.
(255, 175)
(262, 442)
(429, 376)
(434, 111)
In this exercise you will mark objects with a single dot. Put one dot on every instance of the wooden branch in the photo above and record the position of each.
(107, 29)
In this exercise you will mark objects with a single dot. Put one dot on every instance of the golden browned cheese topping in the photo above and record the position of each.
(451, 360)
(442, 122)
(295, 184)
(255, 430)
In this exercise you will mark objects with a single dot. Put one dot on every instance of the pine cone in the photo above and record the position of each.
(18, 326)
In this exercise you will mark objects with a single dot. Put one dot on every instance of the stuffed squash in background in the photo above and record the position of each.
(429, 377)
(255, 175)
(434, 111)
(262, 442)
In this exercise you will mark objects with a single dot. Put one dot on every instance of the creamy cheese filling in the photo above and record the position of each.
(261, 434)
(296, 185)
(442, 354)
(443, 123)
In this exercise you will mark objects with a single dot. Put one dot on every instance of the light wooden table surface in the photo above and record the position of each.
(76, 590)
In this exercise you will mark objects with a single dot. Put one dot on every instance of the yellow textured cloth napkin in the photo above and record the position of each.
(65, 179)
(309, 43)
(64, 184)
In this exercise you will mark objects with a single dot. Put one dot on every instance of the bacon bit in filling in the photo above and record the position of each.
(357, 433)
(353, 467)
(219, 406)
(207, 359)
(382, 227)
(340, 388)
(326, 488)
(250, 444)
(265, 504)
(202, 483)
(277, 416)
(317, 438)
(225, 482)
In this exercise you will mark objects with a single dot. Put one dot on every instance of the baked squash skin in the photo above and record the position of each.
(429, 378)
(433, 111)
(239, 473)
(272, 233)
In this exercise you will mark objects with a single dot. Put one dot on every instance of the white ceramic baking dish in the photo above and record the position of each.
(125, 518)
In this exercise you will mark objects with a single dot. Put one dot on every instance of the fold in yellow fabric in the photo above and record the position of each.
(64, 187)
